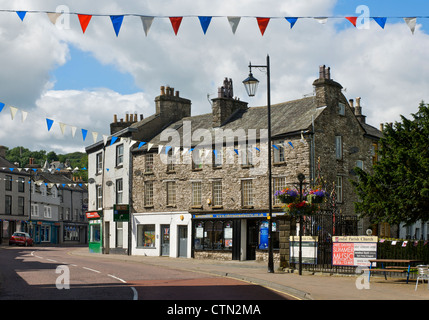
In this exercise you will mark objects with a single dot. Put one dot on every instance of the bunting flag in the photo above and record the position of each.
(205, 22)
(147, 23)
(49, 123)
(233, 22)
(113, 140)
(292, 21)
(84, 21)
(380, 21)
(141, 144)
(84, 133)
(117, 23)
(94, 136)
(21, 14)
(24, 115)
(13, 111)
(321, 20)
(175, 23)
(62, 127)
(352, 20)
(1, 106)
(53, 16)
(263, 23)
(411, 23)
(73, 130)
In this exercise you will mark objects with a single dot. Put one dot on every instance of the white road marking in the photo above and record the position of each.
(114, 277)
(52, 260)
(91, 270)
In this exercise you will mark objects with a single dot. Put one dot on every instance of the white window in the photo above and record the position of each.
(148, 163)
(279, 151)
(246, 156)
(99, 162)
(278, 184)
(338, 147)
(341, 109)
(99, 195)
(217, 192)
(339, 189)
(47, 213)
(196, 193)
(246, 193)
(171, 193)
(34, 210)
(119, 155)
(148, 193)
(119, 191)
(359, 164)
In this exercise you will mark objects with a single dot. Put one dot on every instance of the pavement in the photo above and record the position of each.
(307, 286)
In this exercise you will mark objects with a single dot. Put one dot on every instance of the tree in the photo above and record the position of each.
(398, 188)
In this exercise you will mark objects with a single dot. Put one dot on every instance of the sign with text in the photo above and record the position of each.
(353, 250)
(121, 212)
(308, 248)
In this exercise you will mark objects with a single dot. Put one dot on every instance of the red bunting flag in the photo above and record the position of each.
(263, 23)
(175, 22)
(352, 20)
(84, 20)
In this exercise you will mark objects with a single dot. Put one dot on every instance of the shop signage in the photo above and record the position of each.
(353, 250)
(121, 212)
(230, 215)
(93, 214)
(308, 247)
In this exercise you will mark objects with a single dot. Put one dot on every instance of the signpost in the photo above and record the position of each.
(121, 212)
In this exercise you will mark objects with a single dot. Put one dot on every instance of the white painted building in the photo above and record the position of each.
(109, 185)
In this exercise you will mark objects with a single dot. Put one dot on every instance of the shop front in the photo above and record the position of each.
(162, 234)
(44, 232)
(95, 231)
(233, 236)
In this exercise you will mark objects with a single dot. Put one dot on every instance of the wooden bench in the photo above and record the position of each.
(399, 269)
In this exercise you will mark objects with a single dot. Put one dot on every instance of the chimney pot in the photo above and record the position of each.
(115, 118)
(162, 90)
(177, 94)
(141, 117)
(127, 119)
(358, 102)
(328, 73)
(351, 102)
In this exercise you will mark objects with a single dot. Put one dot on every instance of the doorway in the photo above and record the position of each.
(252, 239)
(183, 241)
(165, 240)
(107, 237)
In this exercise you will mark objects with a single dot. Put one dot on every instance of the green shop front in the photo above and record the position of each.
(95, 231)
(233, 236)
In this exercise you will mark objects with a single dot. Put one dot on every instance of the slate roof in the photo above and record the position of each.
(287, 117)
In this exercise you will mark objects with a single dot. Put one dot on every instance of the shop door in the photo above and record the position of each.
(252, 239)
(107, 237)
(165, 240)
(183, 241)
(236, 240)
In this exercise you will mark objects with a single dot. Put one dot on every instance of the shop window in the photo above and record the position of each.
(213, 235)
(146, 235)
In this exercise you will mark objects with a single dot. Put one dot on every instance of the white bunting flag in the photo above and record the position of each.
(73, 129)
(13, 111)
(147, 23)
(411, 23)
(24, 115)
(53, 16)
(62, 127)
(321, 20)
(233, 22)
(94, 136)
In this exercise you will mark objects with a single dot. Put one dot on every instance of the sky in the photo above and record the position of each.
(83, 79)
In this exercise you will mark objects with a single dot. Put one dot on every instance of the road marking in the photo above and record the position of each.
(135, 297)
(114, 277)
(91, 270)
(52, 260)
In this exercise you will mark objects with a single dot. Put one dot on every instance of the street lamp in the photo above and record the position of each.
(301, 178)
(251, 84)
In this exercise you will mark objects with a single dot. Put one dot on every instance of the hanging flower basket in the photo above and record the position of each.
(287, 195)
(300, 208)
(316, 196)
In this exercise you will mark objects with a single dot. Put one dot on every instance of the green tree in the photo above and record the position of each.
(398, 188)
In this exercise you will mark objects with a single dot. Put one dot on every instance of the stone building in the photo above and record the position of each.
(199, 184)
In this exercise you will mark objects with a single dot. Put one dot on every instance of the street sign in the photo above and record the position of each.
(121, 212)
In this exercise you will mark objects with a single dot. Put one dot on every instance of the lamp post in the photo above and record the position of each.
(301, 178)
(251, 85)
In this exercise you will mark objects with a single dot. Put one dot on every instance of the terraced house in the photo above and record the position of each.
(198, 186)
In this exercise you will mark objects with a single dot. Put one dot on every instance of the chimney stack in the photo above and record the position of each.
(328, 92)
(358, 111)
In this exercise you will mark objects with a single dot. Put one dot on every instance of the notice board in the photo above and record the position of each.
(353, 250)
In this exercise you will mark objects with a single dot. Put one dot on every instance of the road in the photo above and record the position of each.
(52, 273)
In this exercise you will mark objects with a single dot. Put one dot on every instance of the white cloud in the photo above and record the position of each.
(387, 68)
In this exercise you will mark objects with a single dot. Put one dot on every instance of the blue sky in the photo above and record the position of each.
(84, 79)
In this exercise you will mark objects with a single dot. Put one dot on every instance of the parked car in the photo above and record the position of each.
(21, 238)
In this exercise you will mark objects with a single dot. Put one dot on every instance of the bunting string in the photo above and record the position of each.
(113, 139)
(175, 21)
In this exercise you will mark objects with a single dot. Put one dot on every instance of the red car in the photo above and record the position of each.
(21, 238)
